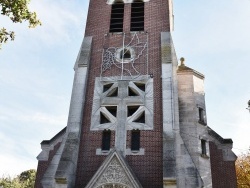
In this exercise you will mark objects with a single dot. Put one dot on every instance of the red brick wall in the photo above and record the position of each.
(223, 172)
(148, 168)
(43, 165)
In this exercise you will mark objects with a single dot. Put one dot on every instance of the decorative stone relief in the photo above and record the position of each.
(113, 99)
(127, 58)
(114, 174)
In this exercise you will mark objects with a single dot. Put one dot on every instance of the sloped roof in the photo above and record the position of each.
(58, 135)
(184, 68)
(215, 135)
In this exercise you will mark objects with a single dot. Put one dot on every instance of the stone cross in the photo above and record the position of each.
(122, 101)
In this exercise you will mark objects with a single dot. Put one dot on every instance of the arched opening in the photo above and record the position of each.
(125, 54)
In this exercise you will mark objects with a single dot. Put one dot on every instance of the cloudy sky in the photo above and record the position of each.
(36, 71)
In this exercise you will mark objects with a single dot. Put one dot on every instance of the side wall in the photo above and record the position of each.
(197, 170)
(43, 166)
(223, 172)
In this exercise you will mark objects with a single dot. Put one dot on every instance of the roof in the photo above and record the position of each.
(62, 132)
(215, 135)
(184, 68)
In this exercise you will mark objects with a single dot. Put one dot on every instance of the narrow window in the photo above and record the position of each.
(203, 147)
(137, 16)
(106, 135)
(116, 20)
(135, 140)
(201, 116)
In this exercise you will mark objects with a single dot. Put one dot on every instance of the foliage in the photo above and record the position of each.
(17, 11)
(243, 170)
(25, 180)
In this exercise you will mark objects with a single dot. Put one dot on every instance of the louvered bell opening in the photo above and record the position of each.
(137, 16)
(116, 21)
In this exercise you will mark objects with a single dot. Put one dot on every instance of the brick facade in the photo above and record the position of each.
(183, 167)
(147, 168)
(223, 172)
(43, 165)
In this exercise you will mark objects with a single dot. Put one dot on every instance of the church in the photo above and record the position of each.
(137, 116)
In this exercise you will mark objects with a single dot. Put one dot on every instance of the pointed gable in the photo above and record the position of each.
(115, 173)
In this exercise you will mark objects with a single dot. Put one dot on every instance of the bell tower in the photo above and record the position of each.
(136, 118)
(123, 101)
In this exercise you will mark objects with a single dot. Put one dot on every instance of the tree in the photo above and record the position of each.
(17, 11)
(25, 180)
(243, 170)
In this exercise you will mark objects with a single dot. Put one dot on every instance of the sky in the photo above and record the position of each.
(36, 72)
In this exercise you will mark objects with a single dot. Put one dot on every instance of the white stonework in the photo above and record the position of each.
(170, 107)
(47, 147)
(191, 98)
(62, 169)
(101, 100)
(117, 96)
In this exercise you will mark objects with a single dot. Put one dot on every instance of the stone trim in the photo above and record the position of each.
(130, 152)
(66, 166)
(144, 100)
(99, 151)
